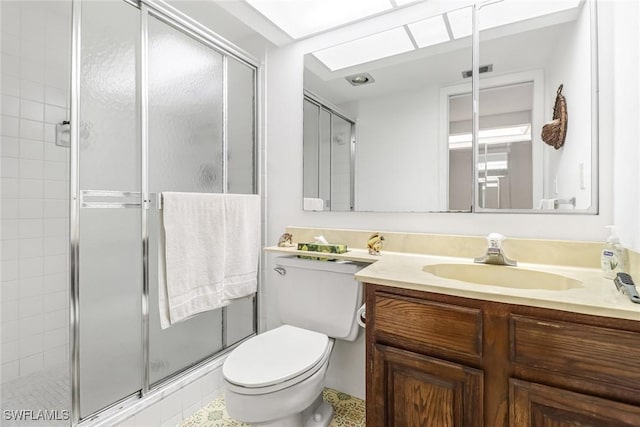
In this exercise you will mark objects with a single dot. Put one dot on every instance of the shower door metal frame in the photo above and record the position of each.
(74, 213)
(179, 21)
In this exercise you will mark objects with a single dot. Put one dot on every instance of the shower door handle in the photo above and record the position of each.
(108, 199)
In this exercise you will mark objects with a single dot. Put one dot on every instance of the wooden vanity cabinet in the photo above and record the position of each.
(437, 361)
(418, 390)
(541, 406)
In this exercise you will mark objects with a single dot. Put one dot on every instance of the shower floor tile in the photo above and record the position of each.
(348, 411)
(47, 390)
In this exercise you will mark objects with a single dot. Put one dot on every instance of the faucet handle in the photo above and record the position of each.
(495, 240)
(494, 254)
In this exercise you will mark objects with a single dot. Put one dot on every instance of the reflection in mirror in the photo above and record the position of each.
(504, 147)
(389, 84)
(505, 151)
(328, 158)
(551, 40)
(408, 92)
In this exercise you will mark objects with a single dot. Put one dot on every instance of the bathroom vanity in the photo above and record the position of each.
(453, 343)
(439, 360)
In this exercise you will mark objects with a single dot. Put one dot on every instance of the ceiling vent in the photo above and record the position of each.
(482, 69)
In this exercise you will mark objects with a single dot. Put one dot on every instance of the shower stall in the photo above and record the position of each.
(329, 156)
(152, 101)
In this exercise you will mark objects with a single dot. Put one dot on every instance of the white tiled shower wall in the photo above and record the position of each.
(34, 222)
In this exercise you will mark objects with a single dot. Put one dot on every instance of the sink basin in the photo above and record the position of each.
(498, 275)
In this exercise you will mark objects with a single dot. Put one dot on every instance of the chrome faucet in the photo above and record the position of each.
(494, 254)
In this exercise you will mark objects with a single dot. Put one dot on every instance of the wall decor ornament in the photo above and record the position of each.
(555, 132)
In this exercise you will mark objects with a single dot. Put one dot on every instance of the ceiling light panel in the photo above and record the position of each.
(430, 31)
(506, 131)
(460, 22)
(300, 18)
(503, 135)
(366, 49)
(403, 2)
(510, 11)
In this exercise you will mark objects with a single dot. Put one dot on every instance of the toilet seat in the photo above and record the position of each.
(276, 359)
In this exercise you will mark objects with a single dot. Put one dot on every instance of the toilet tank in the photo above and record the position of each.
(321, 296)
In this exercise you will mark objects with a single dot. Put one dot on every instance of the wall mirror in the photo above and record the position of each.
(388, 118)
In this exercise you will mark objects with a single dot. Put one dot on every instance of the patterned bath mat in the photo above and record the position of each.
(348, 412)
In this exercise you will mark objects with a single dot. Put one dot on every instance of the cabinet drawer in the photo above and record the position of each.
(591, 353)
(412, 322)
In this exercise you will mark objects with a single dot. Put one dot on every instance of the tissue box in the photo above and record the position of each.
(319, 247)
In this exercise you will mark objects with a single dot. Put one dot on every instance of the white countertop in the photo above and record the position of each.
(597, 296)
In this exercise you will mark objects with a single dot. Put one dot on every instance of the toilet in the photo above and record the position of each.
(276, 378)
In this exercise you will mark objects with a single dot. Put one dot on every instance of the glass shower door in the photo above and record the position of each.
(160, 107)
(185, 154)
(110, 251)
(341, 164)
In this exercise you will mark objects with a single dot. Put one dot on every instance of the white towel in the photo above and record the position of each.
(556, 204)
(208, 254)
(242, 245)
(547, 204)
(311, 204)
(193, 254)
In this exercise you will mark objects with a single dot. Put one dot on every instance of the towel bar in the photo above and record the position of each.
(106, 199)
(558, 202)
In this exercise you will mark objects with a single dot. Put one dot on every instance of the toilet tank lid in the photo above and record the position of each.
(275, 356)
(337, 266)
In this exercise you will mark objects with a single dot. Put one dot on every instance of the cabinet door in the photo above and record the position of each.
(409, 389)
(541, 406)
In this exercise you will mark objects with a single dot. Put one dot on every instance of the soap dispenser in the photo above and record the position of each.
(614, 256)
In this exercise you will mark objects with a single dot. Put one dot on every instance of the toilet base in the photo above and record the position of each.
(321, 417)
(318, 414)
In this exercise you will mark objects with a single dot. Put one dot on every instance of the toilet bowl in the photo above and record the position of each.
(276, 379)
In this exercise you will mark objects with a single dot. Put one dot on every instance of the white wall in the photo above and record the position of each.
(35, 96)
(570, 66)
(626, 112)
(397, 151)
